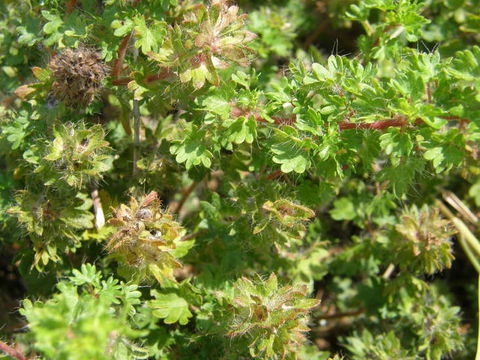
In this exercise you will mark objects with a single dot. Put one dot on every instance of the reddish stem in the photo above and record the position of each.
(377, 125)
(122, 50)
(274, 175)
(121, 81)
(70, 6)
(11, 351)
(284, 121)
(457, 118)
(166, 72)
(343, 125)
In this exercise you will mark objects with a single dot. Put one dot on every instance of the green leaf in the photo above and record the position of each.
(53, 24)
(242, 130)
(192, 152)
(343, 209)
(402, 176)
(170, 307)
(150, 37)
(466, 65)
(182, 248)
(290, 157)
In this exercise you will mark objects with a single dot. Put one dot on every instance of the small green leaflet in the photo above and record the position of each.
(170, 307)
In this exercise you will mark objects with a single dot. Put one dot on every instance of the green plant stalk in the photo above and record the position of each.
(477, 356)
(468, 251)
(469, 237)
(470, 244)
(464, 231)
(136, 125)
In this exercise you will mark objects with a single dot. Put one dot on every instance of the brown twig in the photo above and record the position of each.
(11, 351)
(186, 193)
(192, 235)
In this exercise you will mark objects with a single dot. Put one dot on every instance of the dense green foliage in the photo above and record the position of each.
(209, 180)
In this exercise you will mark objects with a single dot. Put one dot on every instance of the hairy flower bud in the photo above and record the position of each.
(425, 244)
(146, 236)
(274, 317)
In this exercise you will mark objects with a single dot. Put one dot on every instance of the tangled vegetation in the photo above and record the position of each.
(277, 179)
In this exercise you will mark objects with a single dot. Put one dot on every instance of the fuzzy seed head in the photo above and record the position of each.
(78, 75)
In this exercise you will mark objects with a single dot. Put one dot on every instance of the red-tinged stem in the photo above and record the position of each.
(274, 175)
(457, 118)
(121, 81)
(160, 76)
(344, 125)
(237, 112)
(377, 125)
(258, 118)
(70, 6)
(284, 121)
(11, 351)
(122, 50)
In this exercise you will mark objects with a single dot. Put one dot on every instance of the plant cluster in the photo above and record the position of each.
(213, 180)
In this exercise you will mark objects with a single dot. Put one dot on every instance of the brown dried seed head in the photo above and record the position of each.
(78, 75)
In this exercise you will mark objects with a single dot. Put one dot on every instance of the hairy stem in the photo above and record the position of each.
(11, 351)
(122, 50)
